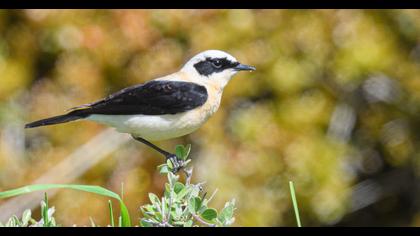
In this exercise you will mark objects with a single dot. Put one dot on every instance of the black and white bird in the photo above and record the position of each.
(167, 107)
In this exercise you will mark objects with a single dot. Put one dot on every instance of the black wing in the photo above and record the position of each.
(152, 98)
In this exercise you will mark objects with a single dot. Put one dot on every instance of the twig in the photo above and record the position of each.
(188, 175)
(211, 197)
(202, 221)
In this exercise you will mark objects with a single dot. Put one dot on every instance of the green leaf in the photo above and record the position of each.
(172, 179)
(178, 187)
(188, 223)
(195, 190)
(183, 193)
(167, 187)
(26, 216)
(145, 223)
(154, 199)
(188, 150)
(13, 222)
(226, 215)
(173, 216)
(144, 212)
(148, 207)
(209, 214)
(180, 151)
(194, 204)
(125, 217)
(158, 216)
(169, 164)
(163, 169)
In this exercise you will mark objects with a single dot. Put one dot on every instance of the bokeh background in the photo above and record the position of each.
(333, 106)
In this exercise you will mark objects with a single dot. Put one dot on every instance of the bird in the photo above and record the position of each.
(167, 107)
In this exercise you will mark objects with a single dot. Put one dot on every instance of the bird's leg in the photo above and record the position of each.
(177, 163)
(161, 151)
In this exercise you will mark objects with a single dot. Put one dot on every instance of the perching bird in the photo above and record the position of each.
(163, 108)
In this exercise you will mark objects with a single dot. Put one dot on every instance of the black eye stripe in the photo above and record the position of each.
(223, 62)
(214, 65)
(217, 63)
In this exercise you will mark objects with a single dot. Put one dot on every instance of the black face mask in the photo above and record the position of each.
(214, 65)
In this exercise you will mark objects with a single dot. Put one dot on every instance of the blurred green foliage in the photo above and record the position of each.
(47, 218)
(333, 107)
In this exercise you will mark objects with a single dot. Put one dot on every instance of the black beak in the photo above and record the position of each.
(244, 67)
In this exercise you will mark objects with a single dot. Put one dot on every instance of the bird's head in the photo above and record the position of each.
(214, 66)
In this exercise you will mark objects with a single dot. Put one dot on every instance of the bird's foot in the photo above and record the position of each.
(177, 163)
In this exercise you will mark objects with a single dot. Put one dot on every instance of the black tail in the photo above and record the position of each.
(55, 120)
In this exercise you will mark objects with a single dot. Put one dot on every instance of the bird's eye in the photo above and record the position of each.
(217, 63)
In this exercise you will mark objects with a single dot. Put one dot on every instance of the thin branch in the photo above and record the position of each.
(202, 221)
(188, 175)
(211, 197)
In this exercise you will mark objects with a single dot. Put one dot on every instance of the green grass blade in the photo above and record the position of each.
(45, 210)
(38, 187)
(111, 213)
(125, 217)
(295, 206)
(122, 190)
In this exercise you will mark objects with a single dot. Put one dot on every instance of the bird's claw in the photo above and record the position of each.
(177, 163)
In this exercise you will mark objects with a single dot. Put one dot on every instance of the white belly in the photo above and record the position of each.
(154, 127)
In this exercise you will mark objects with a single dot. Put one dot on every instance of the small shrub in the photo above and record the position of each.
(182, 204)
(47, 219)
